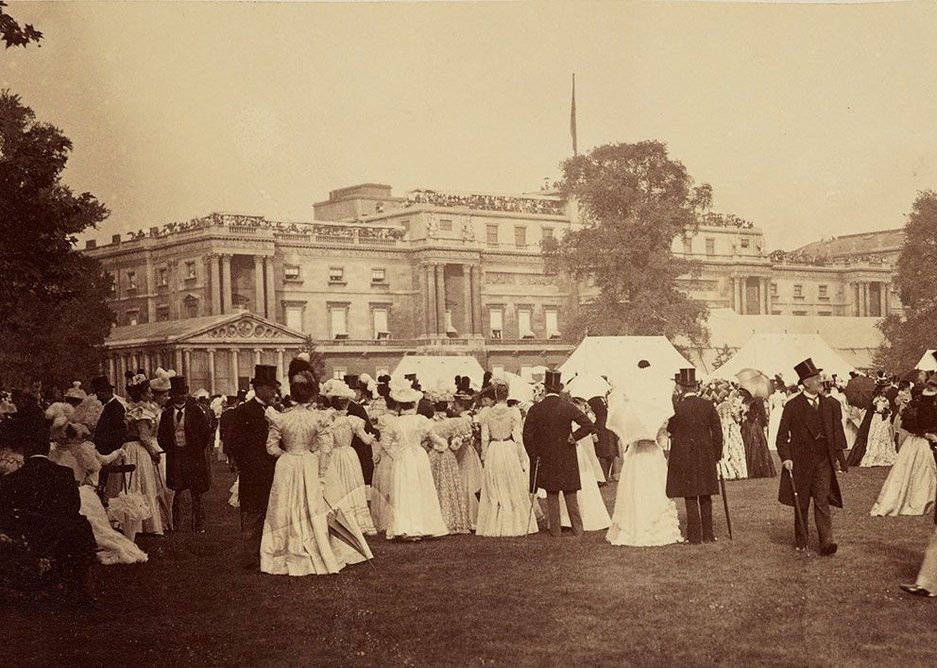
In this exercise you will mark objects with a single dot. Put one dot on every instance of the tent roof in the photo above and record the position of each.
(928, 361)
(433, 370)
(779, 353)
(617, 358)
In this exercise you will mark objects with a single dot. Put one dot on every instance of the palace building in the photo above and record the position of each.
(373, 277)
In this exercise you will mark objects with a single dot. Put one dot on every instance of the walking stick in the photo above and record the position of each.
(798, 513)
(533, 496)
(725, 501)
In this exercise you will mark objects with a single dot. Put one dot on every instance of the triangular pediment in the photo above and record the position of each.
(243, 328)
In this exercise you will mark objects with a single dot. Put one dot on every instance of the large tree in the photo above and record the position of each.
(908, 336)
(634, 200)
(53, 313)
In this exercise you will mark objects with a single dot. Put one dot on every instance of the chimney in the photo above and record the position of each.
(115, 238)
(90, 243)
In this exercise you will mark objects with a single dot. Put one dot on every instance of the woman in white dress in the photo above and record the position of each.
(296, 538)
(74, 450)
(591, 504)
(143, 452)
(344, 481)
(775, 407)
(381, 510)
(644, 516)
(880, 450)
(415, 511)
(504, 509)
(733, 465)
(911, 484)
(470, 463)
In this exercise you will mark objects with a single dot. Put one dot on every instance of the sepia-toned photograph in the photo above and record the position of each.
(468, 333)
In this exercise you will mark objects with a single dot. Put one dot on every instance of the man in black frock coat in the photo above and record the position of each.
(695, 450)
(247, 446)
(810, 437)
(110, 433)
(549, 439)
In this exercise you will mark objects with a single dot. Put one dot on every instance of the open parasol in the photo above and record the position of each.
(859, 391)
(757, 383)
(587, 385)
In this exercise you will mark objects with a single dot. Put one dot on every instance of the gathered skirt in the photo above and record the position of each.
(453, 501)
(296, 538)
(504, 509)
(912, 482)
(345, 488)
(733, 465)
(591, 504)
(147, 480)
(758, 461)
(414, 505)
(470, 467)
(880, 450)
(644, 515)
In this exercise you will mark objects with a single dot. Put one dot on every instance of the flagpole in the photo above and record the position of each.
(572, 118)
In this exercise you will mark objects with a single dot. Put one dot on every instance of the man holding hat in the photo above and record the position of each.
(809, 438)
(184, 435)
(695, 450)
(247, 445)
(110, 433)
(549, 439)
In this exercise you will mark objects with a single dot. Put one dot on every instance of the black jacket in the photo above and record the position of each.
(110, 433)
(247, 445)
(547, 432)
(695, 449)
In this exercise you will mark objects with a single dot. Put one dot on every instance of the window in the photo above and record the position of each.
(523, 323)
(551, 316)
(336, 275)
(798, 292)
(822, 292)
(338, 373)
(381, 330)
(687, 245)
(710, 247)
(190, 270)
(445, 225)
(290, 272)
(338, 319)
(162, 276)
(496, 322)
(131, 280)
(520, 236)
(774, 289)
(190, 307)
(133, 317)
(546, 233)
(294, 317)
(162, 313)
(379, 275)
(825, 313)
(800, 313)
(491, 234)
(745, 242)
(406, 228)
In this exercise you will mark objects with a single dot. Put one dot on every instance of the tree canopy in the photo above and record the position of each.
(907, 337)
(634, 200)
(12, 33)
(53, 313)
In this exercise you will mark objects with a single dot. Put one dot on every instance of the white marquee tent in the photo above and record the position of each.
(434, 371)
(779, 353)
(928, 361)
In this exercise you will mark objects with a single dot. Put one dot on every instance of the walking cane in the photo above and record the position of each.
(533, 496)
(798, 513)
(725, 500)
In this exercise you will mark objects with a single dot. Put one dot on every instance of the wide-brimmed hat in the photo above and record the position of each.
(806, 369)
(552, 381)
(405, 395)
(162, 380)
(75, 391)
(334, 387)
(686, 378)
(265, 374)
(101, 384)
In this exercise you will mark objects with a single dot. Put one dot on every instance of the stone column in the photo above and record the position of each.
(431, 298)
(214, 263)
(884, 287)
(270, 311)
(765, 286)
(259, 306)
(112, 367)
(864, 298)
(477, 299)
(422, 288)
(226, 284)
(187, 364)
(280, 352)
(234, 370)
(211, 370)
(468, 327)
(740, 282)
(441, 299)
(178, 368)
(135, 361)
(257, 356)
(150, 291)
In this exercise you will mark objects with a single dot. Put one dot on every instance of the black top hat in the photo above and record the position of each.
(463, 387)
(265, 374)
(806, 369)
(552, 381)
(486, 379)
(177, 384)
(686, 377)
(351, 380)
(410, 376)
(100, 384)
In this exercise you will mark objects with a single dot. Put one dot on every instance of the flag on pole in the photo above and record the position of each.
(572, 118)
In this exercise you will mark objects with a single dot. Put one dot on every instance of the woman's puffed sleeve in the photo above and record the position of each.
(273, 434)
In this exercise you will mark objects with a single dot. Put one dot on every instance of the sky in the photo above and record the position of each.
(811, 120)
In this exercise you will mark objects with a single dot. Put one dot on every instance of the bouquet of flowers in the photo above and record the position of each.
(128, 507)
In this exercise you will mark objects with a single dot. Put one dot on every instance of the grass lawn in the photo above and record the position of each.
(535, 600)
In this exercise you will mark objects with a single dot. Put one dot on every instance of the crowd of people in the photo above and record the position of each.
(484, 202)
(322, 468)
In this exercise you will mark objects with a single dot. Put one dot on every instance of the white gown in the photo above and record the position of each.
(296, 538)
(911, 484)
(85, 463)
(414, 505)
(776, 407)
(643, 515)
(591, 505)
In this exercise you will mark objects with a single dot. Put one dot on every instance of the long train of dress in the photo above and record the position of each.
(591, 504)
(911, 484)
